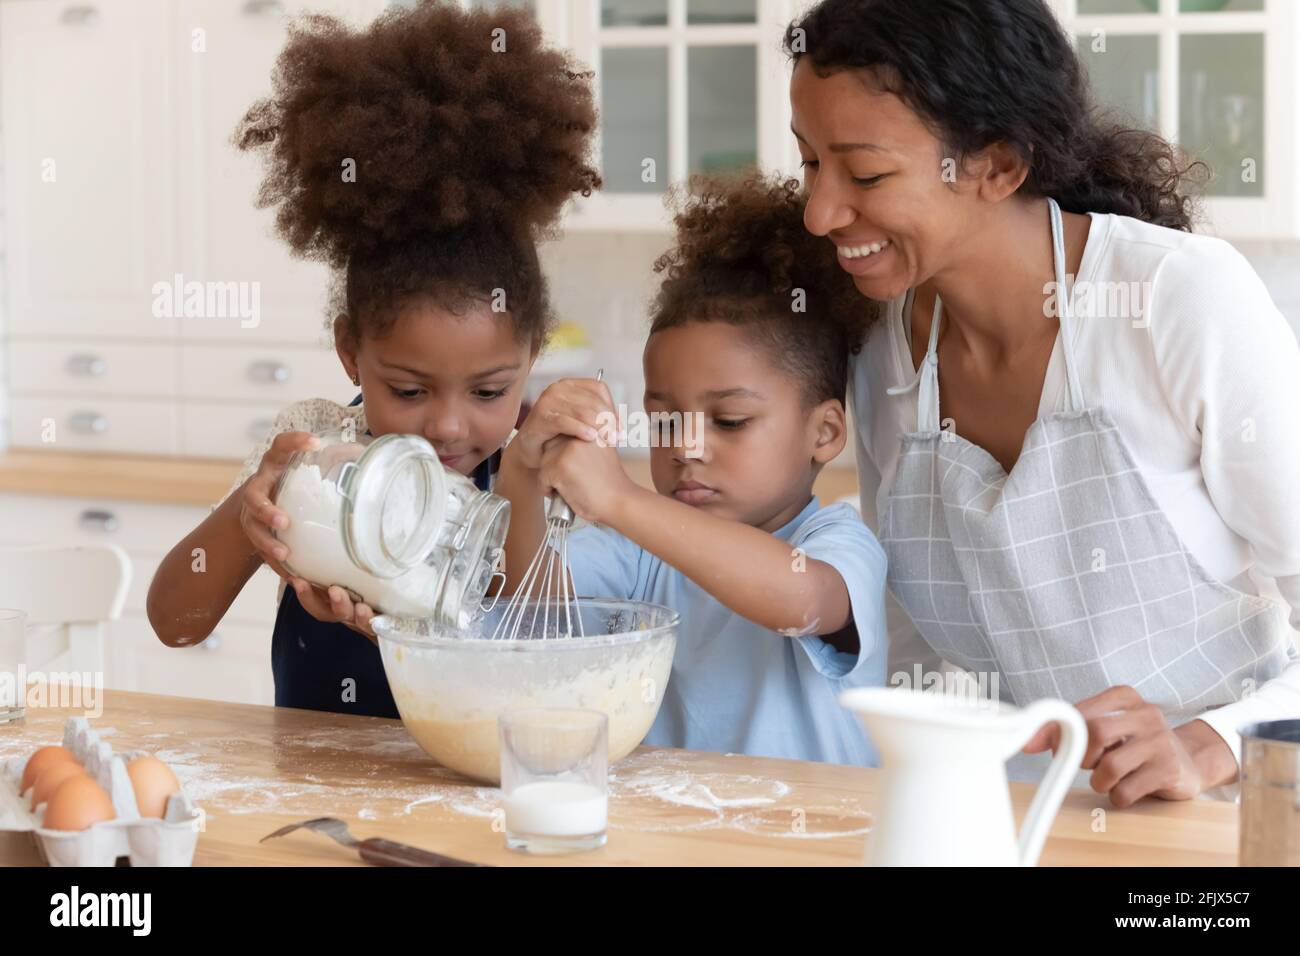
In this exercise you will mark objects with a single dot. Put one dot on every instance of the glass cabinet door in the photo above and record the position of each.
(1124, 72)
(1088, 8)
(1221, 108)
(722, 108)
(679, 87)
(634, 119)
(1198, 71)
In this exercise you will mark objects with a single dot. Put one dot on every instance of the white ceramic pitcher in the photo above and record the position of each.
(945, 800)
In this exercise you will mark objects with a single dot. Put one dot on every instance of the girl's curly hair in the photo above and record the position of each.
(424, 155)
(981, 72)
(743, 256)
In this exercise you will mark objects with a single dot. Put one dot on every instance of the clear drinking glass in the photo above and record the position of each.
(13, 665)
(554, 778)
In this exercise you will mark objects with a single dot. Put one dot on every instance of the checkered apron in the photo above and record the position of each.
(1063, 577)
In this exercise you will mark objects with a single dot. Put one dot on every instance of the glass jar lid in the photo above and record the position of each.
(394, 500)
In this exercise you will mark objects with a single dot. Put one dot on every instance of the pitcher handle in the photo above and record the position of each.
(1051, 791)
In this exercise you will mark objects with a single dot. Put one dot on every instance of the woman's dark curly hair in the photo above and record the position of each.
(979, 72)
(466, 136)
(742, 256)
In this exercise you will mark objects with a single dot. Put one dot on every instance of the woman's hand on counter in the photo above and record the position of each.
(1134, 753)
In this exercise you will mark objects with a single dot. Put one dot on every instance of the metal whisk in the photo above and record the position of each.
(534, 598)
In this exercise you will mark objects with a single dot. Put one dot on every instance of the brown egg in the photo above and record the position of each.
(42, 759)
(78, 804)
(153, 782)
(52, 778)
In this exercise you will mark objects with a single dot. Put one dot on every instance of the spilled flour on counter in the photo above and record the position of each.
(657, 792)
(380, 773)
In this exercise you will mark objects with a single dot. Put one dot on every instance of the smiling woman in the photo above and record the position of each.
(1094, 501)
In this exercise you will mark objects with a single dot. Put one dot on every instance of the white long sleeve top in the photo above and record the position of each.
(1202, 375)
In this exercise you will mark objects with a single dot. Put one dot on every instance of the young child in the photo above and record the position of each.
(781, 599)
(435, 232)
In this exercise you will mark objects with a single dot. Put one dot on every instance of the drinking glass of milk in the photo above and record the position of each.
(554, 778)
(13, 662)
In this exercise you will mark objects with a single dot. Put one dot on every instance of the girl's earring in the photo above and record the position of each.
(356, 380)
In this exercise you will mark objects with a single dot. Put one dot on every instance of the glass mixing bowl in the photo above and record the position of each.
(450, 685)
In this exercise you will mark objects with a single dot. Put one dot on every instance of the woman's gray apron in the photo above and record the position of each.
(1064, 578)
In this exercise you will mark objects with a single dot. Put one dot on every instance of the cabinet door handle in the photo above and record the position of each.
(93, 520)
(263, 8)
(79, 14)
(91, 366)
(88, 423)
(258, 428)
(268, 372)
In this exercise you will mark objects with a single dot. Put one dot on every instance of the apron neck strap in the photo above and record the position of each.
(1063, 309)
(927, 376)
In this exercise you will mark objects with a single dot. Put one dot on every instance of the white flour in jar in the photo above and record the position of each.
(317, 553)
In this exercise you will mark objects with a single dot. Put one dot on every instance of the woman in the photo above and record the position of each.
(1084, 489)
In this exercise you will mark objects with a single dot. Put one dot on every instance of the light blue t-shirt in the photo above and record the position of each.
(737, 687)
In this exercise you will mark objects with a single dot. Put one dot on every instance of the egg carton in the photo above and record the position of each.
(146, 841)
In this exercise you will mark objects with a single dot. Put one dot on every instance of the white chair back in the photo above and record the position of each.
(68, 594)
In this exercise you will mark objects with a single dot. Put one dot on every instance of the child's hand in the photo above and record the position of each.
(572, 407)
(588, 475)
(334, 605)
(257, 514)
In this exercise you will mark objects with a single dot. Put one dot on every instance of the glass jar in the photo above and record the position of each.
(383, 519)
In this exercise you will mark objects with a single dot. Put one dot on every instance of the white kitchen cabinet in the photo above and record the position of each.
(552, 15)
(233, 664)
(94, 367)
(226, 54)
(93, 423)
(278, 374)
(1218, 77)
(222, 430)
(88, 172)
(122, 185)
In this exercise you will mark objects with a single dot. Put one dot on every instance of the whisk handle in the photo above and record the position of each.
(559, 510)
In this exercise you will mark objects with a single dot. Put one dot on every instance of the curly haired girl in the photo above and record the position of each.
(781, 599)
(388, 158)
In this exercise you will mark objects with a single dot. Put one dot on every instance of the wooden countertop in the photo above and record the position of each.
(253, 769)
(157, 479)
(203, 481)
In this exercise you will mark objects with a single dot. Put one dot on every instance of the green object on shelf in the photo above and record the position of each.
(723, 161)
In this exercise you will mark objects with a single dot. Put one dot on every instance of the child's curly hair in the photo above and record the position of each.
(463, 155)
(743, 256)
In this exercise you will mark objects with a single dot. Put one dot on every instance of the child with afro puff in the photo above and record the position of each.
(423, 158)
(781, 599)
